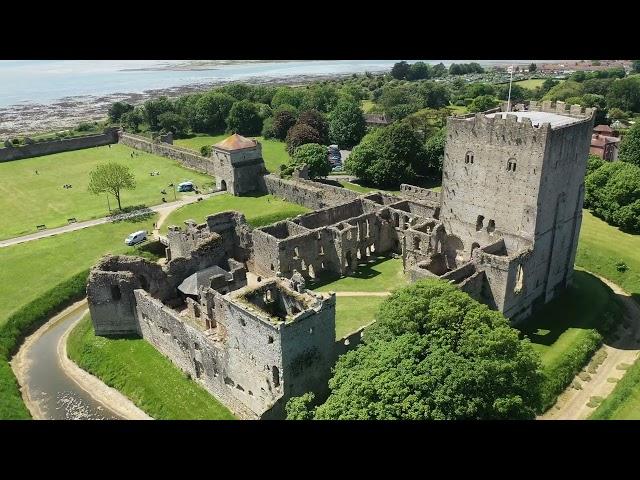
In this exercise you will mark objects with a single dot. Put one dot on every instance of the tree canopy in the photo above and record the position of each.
(433, 353)
(315, 157)
(211, 111)
(244, 118)
(300, 134)
(346, 124)
(630, 146)
(111, 178)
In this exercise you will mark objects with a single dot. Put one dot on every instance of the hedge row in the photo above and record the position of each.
(21, 324)
(568, 365)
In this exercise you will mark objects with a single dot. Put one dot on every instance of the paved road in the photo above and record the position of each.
(163, 209)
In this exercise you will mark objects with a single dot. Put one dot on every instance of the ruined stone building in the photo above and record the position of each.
(230, 306)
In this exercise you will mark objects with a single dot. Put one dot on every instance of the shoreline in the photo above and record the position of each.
(34, 118)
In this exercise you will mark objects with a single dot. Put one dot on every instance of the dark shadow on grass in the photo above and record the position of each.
(365, 271)
(585, 305)
(151, 250)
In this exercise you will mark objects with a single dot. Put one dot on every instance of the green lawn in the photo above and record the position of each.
(258, 210)
(458, 109)
(27, 199)
(30, 269)
(367, 105)
(379, 275)
(531, 83)
(144, 375)
(273, 151)
(362, 189)
(601, 246)
(354, 312)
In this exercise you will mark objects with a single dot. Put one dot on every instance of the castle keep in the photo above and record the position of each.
(230, 306)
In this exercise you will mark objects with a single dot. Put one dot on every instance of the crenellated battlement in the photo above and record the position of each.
(561, 108)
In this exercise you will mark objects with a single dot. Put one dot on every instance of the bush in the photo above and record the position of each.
(300, 134)
(206, 150)
(315, 157)
(622, 267)
(21, 324)
(86, 126)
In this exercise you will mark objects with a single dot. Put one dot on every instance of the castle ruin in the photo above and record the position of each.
(230, 306)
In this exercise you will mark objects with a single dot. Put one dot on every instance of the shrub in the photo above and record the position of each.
(622, 267)
(21, 324)
(206, 150)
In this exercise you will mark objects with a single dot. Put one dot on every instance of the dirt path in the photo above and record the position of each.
(572, 403)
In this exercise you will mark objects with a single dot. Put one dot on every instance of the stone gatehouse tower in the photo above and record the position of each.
(238, 165)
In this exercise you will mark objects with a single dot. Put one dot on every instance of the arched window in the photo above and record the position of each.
(479, 223)
(511, 165)
(491, 227)
(468, 158)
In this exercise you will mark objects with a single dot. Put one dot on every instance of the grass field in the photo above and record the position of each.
(258, 210)
(354, 312)
(30, 269)
(273, 151)
(367, 105)
(144, 375)
(531, 83)
(458, 109)
(379, 275)
(27, 199)
(601, 246)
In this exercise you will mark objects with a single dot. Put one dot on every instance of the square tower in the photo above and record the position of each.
(519, 177)
(238, 165)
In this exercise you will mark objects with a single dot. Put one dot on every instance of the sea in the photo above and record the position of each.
(24, 82)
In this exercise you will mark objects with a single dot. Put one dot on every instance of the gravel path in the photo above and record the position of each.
(572, 403)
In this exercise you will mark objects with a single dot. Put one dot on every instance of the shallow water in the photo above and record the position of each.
(59, 397)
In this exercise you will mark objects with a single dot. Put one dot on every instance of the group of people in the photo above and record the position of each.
(153, 174)
(66, 185)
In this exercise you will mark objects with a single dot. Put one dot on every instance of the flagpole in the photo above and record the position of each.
(510, 80)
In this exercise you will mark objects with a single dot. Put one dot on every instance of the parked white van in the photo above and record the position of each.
(136, 237)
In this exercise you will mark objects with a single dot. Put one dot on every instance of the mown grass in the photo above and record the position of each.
(381, 274)
(273, 151)
(30, 269)
(530, 83)
(356, 187)
(259, 210)
(355, 312)
(29, 199)
(367, 105)
(567, 331)
(135, 368)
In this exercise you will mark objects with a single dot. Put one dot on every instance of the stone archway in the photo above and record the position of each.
(223, 185)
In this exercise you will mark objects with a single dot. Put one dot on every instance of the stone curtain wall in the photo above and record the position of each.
(183, 155)
(313, 195)
(8, 154)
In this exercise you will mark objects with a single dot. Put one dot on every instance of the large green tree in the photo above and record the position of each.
(434, 353)
(117, 109)
(388, 156)
(173, 122)
(111, 178)
(346, 124)
(630, 146)
(244, 118)
(624, 93)
(483, 103)
(399, 70)
(283, 120)
(211, 111)
(318, 122)
(154, 108)
(315, 157)
(419, 71)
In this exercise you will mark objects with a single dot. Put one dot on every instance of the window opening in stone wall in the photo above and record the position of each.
(358, 254)
(373, 248)
(276, 376)
(269, 339)
(321, 250)
(511, 165)
(296, 252)
(311, 330)
(479, 223)
(492, 226)
(405, 220)
(367, 252)
(519, 280)
(272, 267)
(416, 243)
(312, 272)
(303, 266)
(474, 246)
(268, 296)
(368, 229)
(115, 292)
(396, 220)
(468, 158)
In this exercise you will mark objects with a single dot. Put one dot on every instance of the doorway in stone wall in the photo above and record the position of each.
(223, 185)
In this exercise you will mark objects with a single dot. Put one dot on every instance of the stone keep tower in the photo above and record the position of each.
(518, 177)
(238, 165)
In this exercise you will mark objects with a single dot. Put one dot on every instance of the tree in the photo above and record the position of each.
(283, 120)
(533, 67)
(300, 408)
(321, 98)
(318, 122)
(211, 111)
(432, 95)
(346, 124)
(238, 90)
(117, 109)
(630, 146)
(564, 90)
(483, 103)
(387, 156)
(419, 71)
(154, 108)
(244, 118)
(399, 70)
(434, 353)
(173, 122)
(624, 93)
(185, 105)
(439, 70)
(288, 96)
(111, 178)
(300, 134)
(133, 119)
(635, 66)
(594, 162)
(315, 157)
(434, 151)
(617, 114)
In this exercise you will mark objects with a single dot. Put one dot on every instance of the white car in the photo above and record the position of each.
(136, 237)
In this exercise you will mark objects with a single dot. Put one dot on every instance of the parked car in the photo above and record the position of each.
(136, 237)
(185, 187)
(334, 155)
